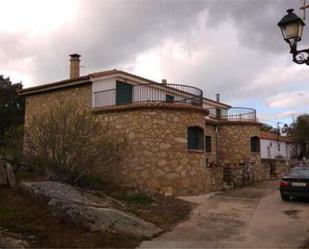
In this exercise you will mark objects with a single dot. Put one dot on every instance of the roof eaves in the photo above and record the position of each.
(216, 102)
(55, 85)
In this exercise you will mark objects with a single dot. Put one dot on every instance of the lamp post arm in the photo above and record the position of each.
(300, 56)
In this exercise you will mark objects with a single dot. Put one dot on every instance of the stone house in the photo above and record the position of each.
(179, 142)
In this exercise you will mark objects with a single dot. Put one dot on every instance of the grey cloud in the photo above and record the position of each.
(113, 33)
(255, 20)
(109, 33)
(127, 28)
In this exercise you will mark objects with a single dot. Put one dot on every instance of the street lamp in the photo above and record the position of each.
(292, 30)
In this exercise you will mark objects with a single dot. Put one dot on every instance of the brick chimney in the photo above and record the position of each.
(74, 66)
(164, 82)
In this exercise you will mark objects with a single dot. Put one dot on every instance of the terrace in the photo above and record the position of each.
(233, 114)
(125, 94)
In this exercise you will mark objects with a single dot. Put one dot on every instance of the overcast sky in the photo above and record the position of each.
(234, 48)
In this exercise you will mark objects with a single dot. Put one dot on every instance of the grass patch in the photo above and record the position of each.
(4, 213)
(163, 211)
(92, 182)
(21, 215)
(138, 198)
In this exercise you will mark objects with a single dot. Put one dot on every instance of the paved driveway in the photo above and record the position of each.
(252, 217)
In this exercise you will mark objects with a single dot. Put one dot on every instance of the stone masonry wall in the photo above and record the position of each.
(234, 142)
(241, 166)
(276, 167)
(210, 130)
(37, 104)
(157, 158)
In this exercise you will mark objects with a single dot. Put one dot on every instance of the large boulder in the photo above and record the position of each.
(7, 176)
(11, 240)
(10, 176)
(3, 180)
(44, 191)
(86, 210)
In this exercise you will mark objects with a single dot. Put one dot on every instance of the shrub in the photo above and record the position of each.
(11, 148)
(67, 144)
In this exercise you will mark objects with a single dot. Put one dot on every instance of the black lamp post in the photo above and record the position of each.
(292, 30)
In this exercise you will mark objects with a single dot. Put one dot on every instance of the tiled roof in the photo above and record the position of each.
(87, 78)
(274, 136)
(54, 85)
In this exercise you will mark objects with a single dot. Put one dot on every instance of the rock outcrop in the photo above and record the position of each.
(86, 210)
(3, 180)
(7, 176)
(11, 240)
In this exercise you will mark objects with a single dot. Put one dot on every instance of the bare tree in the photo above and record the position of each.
(67, 144)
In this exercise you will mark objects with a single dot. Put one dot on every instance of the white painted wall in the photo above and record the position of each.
(208, 104)
(105, 98)
(270, 149)
(140, 93)
(294, 149)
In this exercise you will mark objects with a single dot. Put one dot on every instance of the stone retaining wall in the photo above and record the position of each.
(276, 167)
(245, 174)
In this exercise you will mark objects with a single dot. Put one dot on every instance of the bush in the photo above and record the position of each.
(11, 147)
(67, 144)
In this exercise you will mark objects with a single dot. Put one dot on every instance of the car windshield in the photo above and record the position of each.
(298, 172)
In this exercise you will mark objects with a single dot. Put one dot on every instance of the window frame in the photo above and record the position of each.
(195, 138)
(255, 144)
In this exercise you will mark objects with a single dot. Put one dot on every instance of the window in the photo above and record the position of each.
(255, 144)
(169, 98)
(208, 144)
(195, 138)
(278, 146)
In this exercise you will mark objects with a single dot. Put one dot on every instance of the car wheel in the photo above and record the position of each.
(285, 197)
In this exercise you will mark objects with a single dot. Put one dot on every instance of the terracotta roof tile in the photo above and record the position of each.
(274, 136)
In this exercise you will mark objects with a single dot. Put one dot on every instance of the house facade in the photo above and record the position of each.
(274, 146)
(179, 142)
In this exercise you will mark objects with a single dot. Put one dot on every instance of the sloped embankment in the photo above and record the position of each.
(86, 210)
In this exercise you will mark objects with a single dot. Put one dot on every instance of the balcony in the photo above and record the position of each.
(126, 94)
(233, 114)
